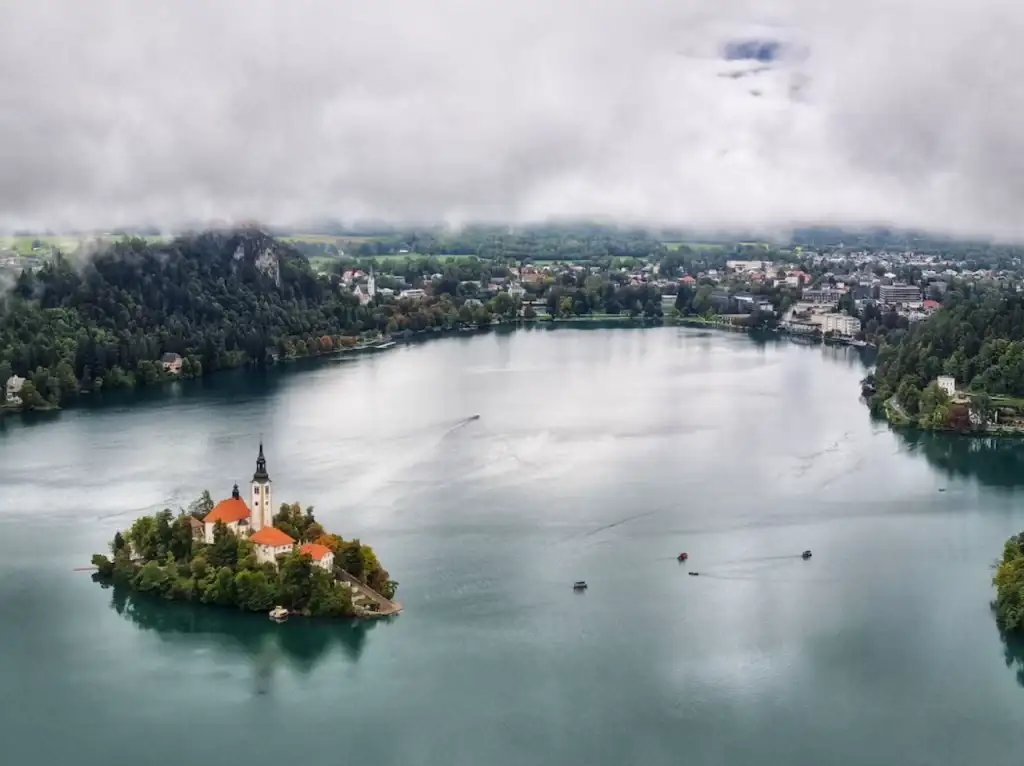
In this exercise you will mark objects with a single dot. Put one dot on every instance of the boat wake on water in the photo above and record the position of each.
(462, 423)
(758, 560)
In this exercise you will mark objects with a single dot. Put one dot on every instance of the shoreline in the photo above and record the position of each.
(407, 337)
(897, 419)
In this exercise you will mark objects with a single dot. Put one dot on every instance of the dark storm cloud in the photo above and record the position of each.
(129, 111)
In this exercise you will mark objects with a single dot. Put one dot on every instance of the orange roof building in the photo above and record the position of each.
(322, 556)
(269, 543)
(316, 551)
(271, 536)
(233, 512)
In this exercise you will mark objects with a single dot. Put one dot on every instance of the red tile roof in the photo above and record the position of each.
(315, 550)
(930, 304)
(232, 509)
(271, 536)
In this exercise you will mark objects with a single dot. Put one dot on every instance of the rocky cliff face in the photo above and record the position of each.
(263, 255)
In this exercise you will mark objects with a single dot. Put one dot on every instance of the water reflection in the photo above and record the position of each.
(993, 461)
(1013, 654)
(301, 643)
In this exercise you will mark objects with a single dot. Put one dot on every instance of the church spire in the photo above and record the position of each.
(261, 467)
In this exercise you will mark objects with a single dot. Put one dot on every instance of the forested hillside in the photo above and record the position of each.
(977, 337)
(219, 300)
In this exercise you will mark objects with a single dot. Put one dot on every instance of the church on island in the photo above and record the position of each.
(257, 522)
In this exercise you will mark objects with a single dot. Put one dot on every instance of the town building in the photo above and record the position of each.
(322, 556)
(14, 386)
(516, 291)
(947, 384)
(171, 363)
(360, 292)
(899, 293)
(841, 324)
(822, 295)
(746, 265)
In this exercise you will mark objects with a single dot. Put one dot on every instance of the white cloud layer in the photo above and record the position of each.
(902, 112)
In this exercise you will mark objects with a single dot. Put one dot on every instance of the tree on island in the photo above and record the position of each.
(1009, 582)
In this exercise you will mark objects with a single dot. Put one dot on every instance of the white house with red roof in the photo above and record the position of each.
(269, 543)
(233, 512)
(322, 556)
(256, 522)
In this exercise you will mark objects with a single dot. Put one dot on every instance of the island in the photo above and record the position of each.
(238, 554)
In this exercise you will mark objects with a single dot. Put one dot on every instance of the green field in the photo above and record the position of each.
(442, 257)
(326, 239)
(65, 243)
(693, 245)
(23, 245)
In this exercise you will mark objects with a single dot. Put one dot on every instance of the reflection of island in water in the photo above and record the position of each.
(1013, 653)
(993, 461)
(302, 644)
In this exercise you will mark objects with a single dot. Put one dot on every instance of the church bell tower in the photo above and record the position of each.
(262, 501)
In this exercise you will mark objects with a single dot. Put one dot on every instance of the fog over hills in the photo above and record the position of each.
(704, 113)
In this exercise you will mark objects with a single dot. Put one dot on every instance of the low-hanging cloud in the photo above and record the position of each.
(720, 113)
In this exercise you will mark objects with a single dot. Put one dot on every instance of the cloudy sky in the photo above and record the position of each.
(905, 112)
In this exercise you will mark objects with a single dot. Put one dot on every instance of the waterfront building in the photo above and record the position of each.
(171, 362)
(841, 324)
(14, 386)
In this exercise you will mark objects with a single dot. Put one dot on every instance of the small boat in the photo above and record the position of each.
(694, 574)
(579, 585)
(279, 614)
(474, 417)
(805, 555)
(682, 556)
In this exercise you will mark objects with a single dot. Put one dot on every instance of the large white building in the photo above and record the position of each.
(899, 293)
(14, 386)
(947, 383)
(841, 324)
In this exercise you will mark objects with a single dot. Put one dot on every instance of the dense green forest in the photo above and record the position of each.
(82, 325)
(977, 337)
(171, 563)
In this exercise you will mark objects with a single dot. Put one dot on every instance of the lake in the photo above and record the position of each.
(598, 455)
